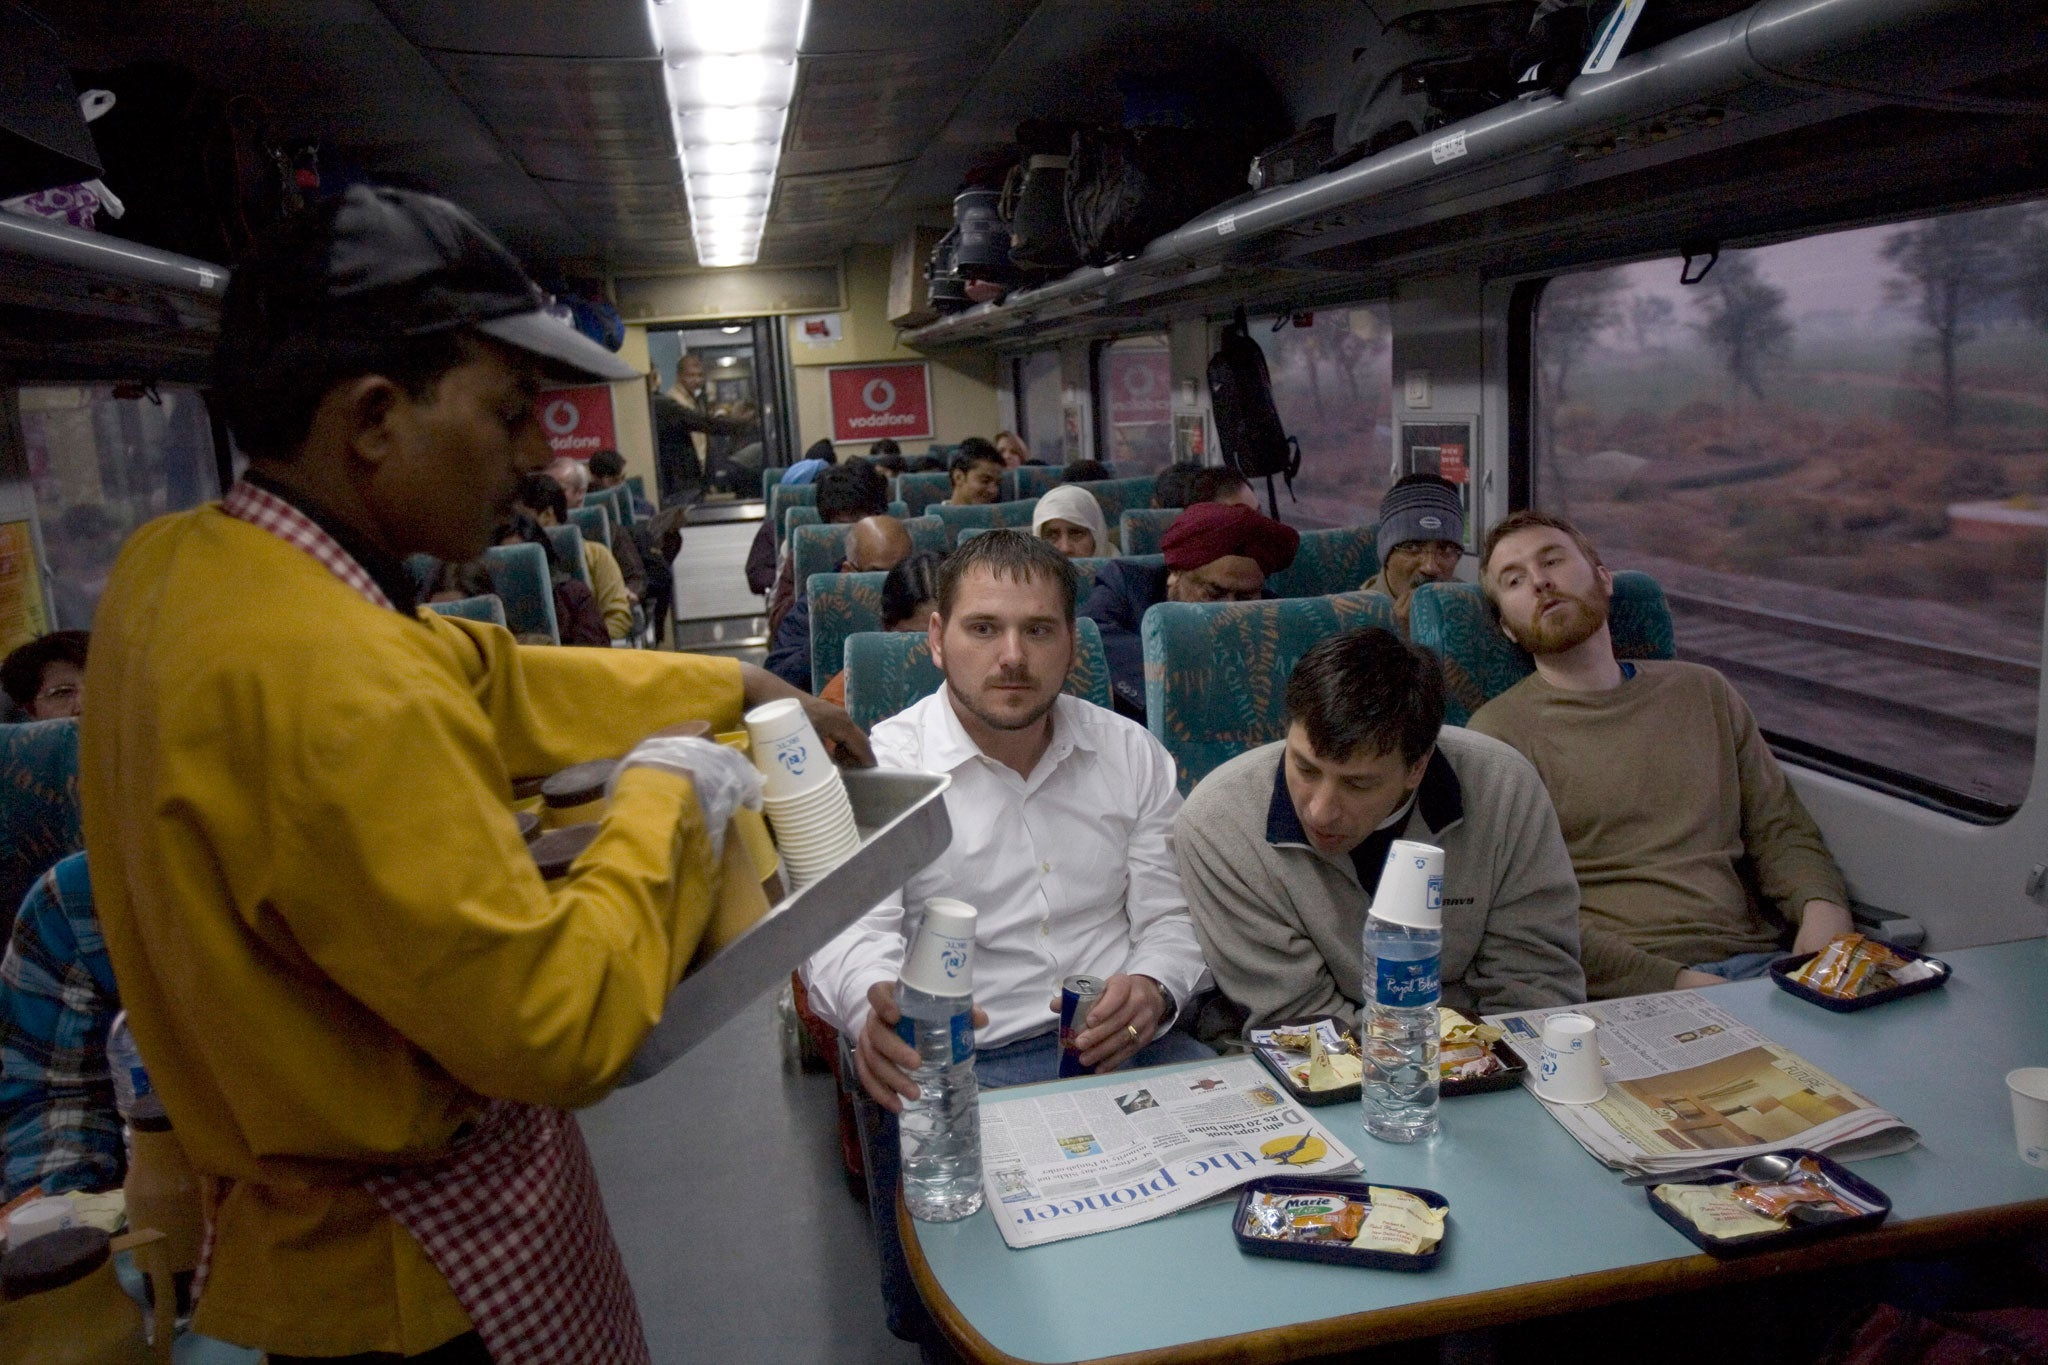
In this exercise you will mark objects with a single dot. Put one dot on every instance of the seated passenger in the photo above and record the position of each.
(58, 1124)
(1421, 539)
(1215, 552)
(1012, 448)
(910, 594)
(541, 500)
(873, 545)
(887, 456)
(45, 678)
(1085, 471)
(1062, 818)
(977, 473)
(1281, 848)
(820, 457)
(454, 582)
(577, 618)
(608, 470)
(1070, 520)
(1665, 865)
(574, 477)
(846, 494)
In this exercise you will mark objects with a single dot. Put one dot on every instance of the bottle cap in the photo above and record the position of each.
(941, 957)
(558, 848)
(1411, 890)
(52, 1261)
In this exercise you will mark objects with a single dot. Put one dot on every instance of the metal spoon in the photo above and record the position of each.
(1763, 1169)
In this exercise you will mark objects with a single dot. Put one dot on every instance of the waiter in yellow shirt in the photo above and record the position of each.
(364, 1010)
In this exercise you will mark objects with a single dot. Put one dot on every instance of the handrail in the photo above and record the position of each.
(40, 240)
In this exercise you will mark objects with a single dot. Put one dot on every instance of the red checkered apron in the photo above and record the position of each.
(511, 1215)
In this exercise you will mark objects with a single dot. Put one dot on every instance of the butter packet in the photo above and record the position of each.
(1716, 1212)
(1399, 1222)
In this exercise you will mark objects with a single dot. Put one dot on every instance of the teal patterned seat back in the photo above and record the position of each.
(421, 569)
(568, 543)
(887, 671)
(639, 487)
(485, 608)
(594, 521)
(1031, 481)
(920, 491)
(1142, 528)
(1118, 496)
(842, 604)
(617, 500)
(990, 516)
(806, 514)
(1216, 672)
(1329, 562)
(519, 578)
(38, 805)
(1457, 623)
(782, 497)
(816, 549)
(927, 534)
(769, 478)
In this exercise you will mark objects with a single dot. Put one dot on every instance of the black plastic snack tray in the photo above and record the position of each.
(1791, 1236)
(1784, 967)
(1509, 1077)
(1328, 1254)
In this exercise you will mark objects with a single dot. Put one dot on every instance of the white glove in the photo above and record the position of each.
(725, 778)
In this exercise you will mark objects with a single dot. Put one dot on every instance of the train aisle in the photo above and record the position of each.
(722, 1179)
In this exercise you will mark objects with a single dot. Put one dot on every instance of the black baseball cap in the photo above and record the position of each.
(377, 262)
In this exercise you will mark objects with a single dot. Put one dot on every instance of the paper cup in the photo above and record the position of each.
(1411, 886)
(786, 750)
(941, 957)
(38, 1218)
(1568, 1071)
(2029, 1087)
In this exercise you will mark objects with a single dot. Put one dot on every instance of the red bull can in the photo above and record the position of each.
(1078, 995)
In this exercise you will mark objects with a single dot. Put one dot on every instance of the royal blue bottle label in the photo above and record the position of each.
(959, 1033)
(1407, 984)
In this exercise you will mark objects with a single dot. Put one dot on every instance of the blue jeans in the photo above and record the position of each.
(1036, 1058)
(1740, 967)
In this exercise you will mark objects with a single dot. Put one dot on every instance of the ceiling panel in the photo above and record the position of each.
(873, 108)
(537, 28)
(572, 119)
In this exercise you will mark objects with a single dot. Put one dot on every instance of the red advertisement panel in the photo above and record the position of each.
(578, 421)
(1137, 386)
(873, 401)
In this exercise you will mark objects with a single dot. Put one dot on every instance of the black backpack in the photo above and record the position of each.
(1247, 424)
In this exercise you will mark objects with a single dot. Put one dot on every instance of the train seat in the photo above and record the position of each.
(568, 543)
(782, 497)
(38, 804)
(985, 517)
(919, 491)
(886, 672)
(1216, 672)
(1117, 496)
(842, 604)
(1333, 561)
(1140, 529)
(1031, 481)
(594, 520)
(806, 514)
(1457, 623)
(485, 608)
(520, 580)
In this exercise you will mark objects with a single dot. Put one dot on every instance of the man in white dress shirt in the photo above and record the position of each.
(1062, 817)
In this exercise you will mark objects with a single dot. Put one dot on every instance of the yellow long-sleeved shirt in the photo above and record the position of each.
(329, 937)
(608, 586)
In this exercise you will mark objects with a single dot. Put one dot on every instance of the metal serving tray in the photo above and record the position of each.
(903, 827)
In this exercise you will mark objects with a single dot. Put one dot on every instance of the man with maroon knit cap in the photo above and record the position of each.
(1215, 552)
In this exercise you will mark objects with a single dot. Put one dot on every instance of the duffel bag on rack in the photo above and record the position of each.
(1430, 68)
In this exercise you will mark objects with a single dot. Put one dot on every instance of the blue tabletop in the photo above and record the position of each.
(1528, 1205)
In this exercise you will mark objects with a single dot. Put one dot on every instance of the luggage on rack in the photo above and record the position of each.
(1247, 424)
(945, 287)
(1568, 37)
(1035, 199)
(981, 247)
(1297, 157)
(1430, 67)
(1126, 186)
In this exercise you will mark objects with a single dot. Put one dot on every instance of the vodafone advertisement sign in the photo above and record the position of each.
(578, 421)
(873, 401)
(1137, 386)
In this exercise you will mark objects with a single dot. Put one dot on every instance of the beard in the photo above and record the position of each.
(1000, 720)
(1556, 632)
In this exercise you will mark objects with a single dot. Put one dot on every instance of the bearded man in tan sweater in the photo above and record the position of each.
(1693, 853)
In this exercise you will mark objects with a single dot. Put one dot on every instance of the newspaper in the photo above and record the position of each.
(1074, 1162)
(1689, 1084)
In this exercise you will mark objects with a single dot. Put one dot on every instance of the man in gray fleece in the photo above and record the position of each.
(1280, 849)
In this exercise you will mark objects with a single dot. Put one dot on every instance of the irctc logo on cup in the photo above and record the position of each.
(794, 754)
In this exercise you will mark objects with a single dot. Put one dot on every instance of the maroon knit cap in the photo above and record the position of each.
(1210, 530)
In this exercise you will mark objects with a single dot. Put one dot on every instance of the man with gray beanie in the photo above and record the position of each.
(1421, 539)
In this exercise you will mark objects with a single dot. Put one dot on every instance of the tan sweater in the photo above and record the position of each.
(1681, 825)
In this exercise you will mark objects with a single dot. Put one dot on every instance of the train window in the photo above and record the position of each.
(1333, 385)
(1134, 404)
(1041, 416)
(1833, 455)
(103, 459)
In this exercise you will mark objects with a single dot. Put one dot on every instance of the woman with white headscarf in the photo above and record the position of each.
(1071, 519)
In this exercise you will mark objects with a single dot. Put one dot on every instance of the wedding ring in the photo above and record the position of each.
(1132, 1029)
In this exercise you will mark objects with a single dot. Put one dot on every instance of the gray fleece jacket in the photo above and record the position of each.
(1283, 926)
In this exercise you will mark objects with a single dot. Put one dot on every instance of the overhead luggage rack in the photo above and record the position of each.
(1780, 67)
(76, 304)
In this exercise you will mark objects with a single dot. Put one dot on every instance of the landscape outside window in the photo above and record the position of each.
(1039, 411)
(1333, 388)
(1833, 455)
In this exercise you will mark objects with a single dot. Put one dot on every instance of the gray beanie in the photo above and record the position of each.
(1422, 510)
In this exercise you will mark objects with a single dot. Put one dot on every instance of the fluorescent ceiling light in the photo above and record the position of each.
(732, 82)
(750, 185)
(733, 330)
(695, 127)
(715, 26)
(729, 158)
(717, 261)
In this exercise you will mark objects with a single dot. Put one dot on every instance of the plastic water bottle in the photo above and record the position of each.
(131, 1080)
(941, 1128)
(1403, 984)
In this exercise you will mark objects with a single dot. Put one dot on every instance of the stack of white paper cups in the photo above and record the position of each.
(941, 957)
(802, 792)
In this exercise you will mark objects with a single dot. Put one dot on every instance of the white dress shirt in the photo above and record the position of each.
(1072, 870)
